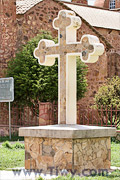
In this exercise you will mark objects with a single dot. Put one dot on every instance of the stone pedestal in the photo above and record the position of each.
(72, 147)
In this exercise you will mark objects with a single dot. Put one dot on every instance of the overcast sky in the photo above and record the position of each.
(91, 2)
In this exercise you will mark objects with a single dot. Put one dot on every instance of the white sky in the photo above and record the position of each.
(91, 2)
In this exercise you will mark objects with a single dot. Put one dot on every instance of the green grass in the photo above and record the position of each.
(115, 154)
(11, 156)
(113, 176)
(13, 138)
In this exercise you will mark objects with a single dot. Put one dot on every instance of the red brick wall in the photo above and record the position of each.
(37, 18)
(99, 3)
(106, 4)
(113, 64)
(80, 1)
(111, 36)
(117, 4)
(8, 32)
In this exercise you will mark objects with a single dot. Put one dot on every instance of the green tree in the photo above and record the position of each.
(34, 82)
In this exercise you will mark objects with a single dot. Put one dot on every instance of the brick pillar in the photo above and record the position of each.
(117, 5)
(80, 1)
(8, 32)
(106, 4)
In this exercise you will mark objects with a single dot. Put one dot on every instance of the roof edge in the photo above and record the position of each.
(108, 45)
(80, 4)
(29, 9)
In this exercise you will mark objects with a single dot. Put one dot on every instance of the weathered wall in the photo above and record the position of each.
(106, 4)
(117, 4)
(8, 32)
(113, 36)
(80, 1)
(113, 60)
(37, 18)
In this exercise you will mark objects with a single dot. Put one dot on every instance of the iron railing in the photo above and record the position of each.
(47, 113)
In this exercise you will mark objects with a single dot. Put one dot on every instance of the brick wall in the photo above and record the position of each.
(80, 1)
(112, 36)
(99, 3)
(117, 4)
(37, 18)
(113, 60)
(106, 3)
(8, 32)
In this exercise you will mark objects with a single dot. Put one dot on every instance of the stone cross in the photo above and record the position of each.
(88, 49)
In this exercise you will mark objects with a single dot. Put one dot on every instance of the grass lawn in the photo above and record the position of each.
(115, 154)
(113, 176)
(11, 157)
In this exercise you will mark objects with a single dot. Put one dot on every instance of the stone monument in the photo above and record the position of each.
(67, 145)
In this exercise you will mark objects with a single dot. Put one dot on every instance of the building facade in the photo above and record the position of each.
(23, 19)
(110, 4)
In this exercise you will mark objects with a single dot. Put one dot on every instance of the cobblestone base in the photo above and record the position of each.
(77, 154)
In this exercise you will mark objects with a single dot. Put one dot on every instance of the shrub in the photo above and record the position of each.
(18, 145)
(109, 94)
(6, 144)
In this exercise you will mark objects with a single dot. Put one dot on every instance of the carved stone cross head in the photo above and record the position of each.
(88, 49)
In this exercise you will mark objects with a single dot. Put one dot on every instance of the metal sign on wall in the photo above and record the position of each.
(6, 89)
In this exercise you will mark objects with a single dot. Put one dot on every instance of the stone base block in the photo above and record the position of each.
(72, 147)
(70, 154)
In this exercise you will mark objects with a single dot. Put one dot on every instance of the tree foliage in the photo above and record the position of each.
(109, 94)
(34, 82)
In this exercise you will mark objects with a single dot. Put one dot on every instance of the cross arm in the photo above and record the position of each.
(92, 49)
(46, 52)
(89, 49)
